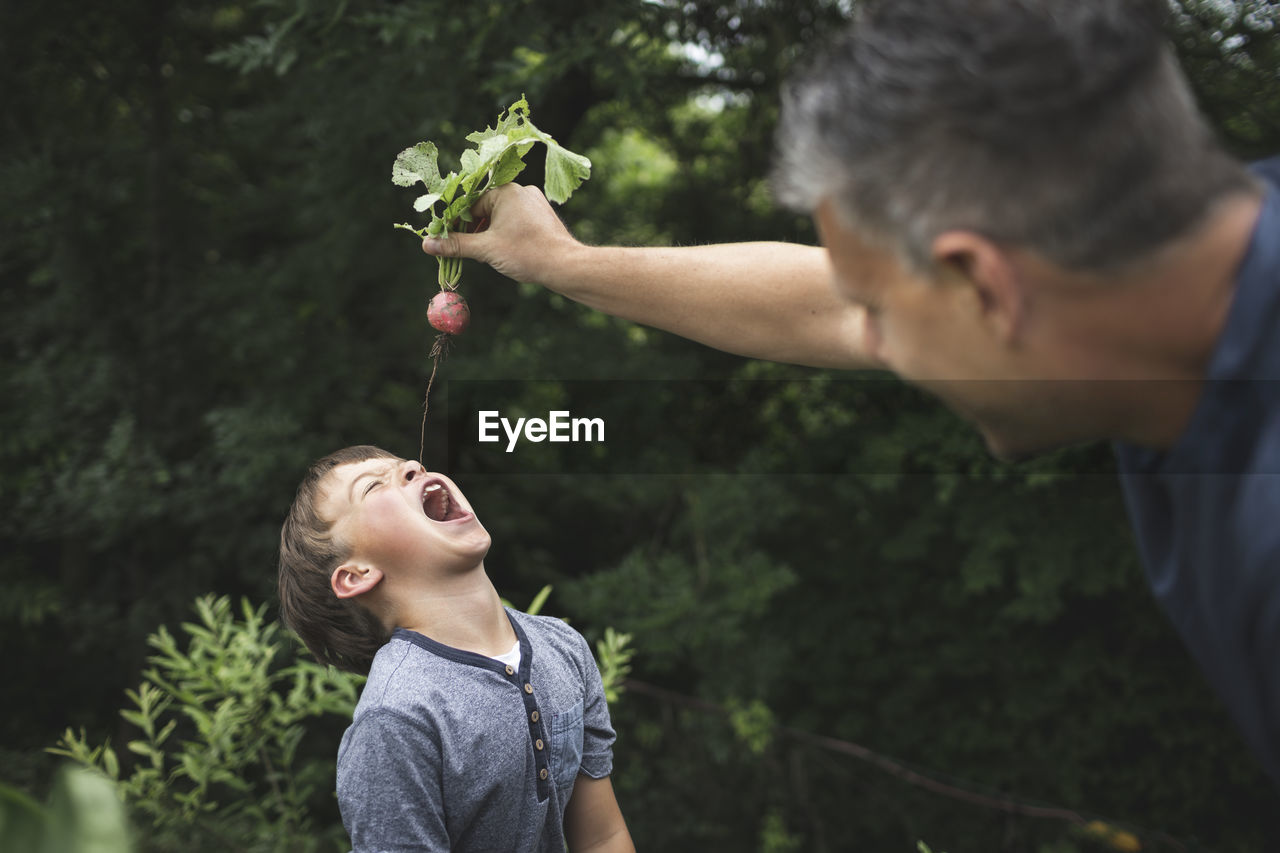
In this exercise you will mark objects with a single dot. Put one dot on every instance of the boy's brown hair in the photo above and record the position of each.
(338, 631)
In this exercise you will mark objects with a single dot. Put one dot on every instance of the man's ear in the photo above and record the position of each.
(352, 579)
(989, 270)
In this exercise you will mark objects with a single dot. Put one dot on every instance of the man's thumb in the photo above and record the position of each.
(456, 245)
(443, 247)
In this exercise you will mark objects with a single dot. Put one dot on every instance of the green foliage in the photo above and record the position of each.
(774, 837)
(83, 815)
(539, 601)
(613, 656)
(497, 158)
(221, 722)
(1231, 51)
(613, 650)
(199, 296)
(753, 723)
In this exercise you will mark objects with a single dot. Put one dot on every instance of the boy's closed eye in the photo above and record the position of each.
(373, 478)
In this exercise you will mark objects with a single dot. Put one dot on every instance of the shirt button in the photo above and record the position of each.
(535, 716)
(528, 688)
(510, 671)
(538, 743)
(542, 774)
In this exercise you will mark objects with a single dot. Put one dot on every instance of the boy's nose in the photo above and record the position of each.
(412, 469)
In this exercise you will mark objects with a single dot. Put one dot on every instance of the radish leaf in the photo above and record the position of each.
(417, 164)
(565, 172)
(496, 159)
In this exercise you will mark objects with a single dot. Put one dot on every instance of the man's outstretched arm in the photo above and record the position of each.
(771, 301)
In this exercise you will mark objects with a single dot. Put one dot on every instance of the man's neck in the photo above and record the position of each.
(464, 612)
(1156, 328)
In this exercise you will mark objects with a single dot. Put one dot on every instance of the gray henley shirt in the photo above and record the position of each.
(454, 751)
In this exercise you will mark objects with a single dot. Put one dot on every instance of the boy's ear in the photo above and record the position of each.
(352, 579)
(988, 269)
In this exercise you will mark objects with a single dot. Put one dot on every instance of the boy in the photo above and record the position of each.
(479, 728)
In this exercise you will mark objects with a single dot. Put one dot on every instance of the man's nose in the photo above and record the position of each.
(411, 469)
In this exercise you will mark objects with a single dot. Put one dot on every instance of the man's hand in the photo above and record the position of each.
(524, 236)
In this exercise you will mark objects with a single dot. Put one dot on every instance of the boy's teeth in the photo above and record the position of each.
(429, 497)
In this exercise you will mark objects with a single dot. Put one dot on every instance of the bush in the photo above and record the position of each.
(218, 765)
(221, 721)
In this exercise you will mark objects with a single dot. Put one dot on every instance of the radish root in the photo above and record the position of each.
(438, 351)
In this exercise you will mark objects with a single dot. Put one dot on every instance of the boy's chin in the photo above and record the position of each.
(471, 557)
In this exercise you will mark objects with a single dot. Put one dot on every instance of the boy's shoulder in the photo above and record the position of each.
(403, 676)
(546, 627)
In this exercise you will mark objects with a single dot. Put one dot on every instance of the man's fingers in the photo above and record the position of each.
(504, 223)
(461, 243)
(483, 207)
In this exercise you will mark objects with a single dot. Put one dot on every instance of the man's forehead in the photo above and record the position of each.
(861, 267)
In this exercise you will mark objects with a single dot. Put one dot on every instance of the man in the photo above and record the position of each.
(1023, 212)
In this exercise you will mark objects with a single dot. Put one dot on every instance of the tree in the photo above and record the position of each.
(203, 291)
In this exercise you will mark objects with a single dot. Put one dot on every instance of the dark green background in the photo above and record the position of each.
(200, 292)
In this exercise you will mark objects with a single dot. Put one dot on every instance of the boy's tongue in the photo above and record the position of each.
(435, 502)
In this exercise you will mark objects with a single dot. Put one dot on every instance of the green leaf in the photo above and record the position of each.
(23, 821)
(753, 723)
(496, 159)
(110, 763)
(455, 210)
(138, 719)
(509, 165)
(513, 118)
(86, 814)
(417, 164)
(565, 172)
(424, 202)
(450, 186)
(490, 148)
(535, 606)
(195, 768)
(165, 732)
(471, 184)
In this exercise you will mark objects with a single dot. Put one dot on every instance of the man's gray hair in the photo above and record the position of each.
(1064, 126)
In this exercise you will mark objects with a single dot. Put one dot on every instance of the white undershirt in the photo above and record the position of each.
(511, 658)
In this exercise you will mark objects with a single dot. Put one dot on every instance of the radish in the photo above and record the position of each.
(448, 312)
(496, 159)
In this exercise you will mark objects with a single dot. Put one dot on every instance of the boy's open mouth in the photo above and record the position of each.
(439, 505)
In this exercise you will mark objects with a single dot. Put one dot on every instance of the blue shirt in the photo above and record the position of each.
(1207, 511)
(454, 751)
